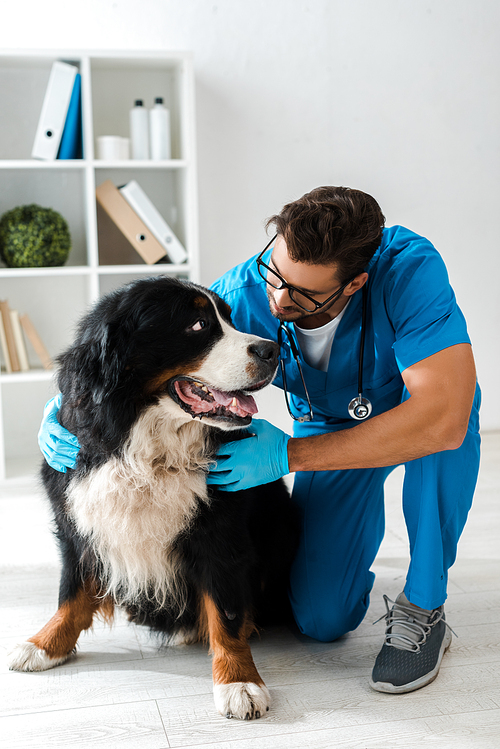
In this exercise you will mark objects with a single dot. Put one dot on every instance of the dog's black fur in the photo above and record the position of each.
(128, 353)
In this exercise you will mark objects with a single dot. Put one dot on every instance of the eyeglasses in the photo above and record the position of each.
(293, 348)
(302, 300)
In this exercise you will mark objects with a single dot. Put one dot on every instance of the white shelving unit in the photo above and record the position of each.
(55, 298)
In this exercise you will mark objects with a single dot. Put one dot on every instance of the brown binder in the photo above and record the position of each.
(129, 223)
(114, 247)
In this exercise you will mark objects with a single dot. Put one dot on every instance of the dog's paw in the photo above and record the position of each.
(27, 657)
(243, 700)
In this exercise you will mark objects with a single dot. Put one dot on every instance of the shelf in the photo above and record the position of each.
(104, 270)
(66, 270)
(55, 298)
(84, 270)
(35, 164)
(34, 375)
(140, 164)
(93, 163)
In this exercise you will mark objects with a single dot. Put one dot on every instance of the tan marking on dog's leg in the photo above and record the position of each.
(239, 690)
(60, 634)
(55, 642)
(57, 639)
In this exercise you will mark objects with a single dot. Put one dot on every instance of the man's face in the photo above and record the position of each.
(317, 281)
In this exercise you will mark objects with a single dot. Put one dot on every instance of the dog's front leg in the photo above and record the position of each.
(56, 641)
(239, 691)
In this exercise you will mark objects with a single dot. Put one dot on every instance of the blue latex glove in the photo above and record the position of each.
(261, 458)
(59, 447)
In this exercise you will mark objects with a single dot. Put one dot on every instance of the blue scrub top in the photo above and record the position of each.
(412, 313)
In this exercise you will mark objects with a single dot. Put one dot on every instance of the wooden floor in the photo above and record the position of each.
(121, 691)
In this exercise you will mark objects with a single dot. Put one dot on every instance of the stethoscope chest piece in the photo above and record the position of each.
(359, 408)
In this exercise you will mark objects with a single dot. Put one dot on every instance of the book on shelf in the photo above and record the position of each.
(36, 341)
(22, 354)
(10, 350)
(129, 223)
(147, 212)
(4, 349)
(13, 329)
(54, 111)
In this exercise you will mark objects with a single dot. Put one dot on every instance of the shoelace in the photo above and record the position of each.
(405, 617)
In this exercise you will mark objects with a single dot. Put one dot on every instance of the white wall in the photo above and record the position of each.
(397, 98)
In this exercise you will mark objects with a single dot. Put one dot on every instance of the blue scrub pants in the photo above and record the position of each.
(343, 525)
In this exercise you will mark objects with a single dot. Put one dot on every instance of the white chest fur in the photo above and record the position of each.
(132, 508)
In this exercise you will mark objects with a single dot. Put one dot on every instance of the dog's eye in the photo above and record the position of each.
(199, 325)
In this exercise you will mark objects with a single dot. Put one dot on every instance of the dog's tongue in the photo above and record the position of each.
(237, 403)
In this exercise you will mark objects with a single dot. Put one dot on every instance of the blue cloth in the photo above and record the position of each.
(412, 313)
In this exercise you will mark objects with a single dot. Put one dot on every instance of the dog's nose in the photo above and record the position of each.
(267, 351)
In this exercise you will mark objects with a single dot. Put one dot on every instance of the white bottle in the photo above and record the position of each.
(139, 131)
(159, 131)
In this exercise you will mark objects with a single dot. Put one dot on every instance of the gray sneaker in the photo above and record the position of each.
(415, 642)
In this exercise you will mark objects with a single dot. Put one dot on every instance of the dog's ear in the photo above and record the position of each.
(95, 379)
(111, 354)
(96, 360)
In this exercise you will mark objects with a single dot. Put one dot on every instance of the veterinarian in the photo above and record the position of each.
(378, 370)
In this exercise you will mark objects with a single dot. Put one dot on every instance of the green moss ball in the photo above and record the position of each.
(34, 237)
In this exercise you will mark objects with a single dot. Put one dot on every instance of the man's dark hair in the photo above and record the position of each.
(332, 225)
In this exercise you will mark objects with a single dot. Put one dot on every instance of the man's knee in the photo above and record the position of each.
(328, 624)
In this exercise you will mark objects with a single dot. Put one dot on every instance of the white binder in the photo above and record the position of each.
(139, 201)
(54, 111)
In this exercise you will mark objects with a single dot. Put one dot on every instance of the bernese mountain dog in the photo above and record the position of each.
(156, 379)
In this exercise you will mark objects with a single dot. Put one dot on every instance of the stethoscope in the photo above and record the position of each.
(360, 407)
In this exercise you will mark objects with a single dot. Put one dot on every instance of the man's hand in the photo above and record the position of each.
(59, 447)
(259, 459)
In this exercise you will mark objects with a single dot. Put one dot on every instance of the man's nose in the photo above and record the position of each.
(282, 298)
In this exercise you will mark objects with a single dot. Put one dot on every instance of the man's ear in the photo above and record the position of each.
(356, 284)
